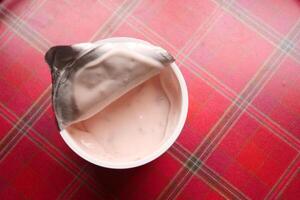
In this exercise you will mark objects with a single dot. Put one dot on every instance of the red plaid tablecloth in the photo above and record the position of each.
(241, 62)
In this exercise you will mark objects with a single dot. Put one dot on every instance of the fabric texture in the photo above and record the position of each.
(241, 62)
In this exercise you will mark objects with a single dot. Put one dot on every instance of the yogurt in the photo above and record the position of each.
(134, 125)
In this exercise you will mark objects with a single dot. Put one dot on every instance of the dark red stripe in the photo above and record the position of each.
(194, 165)
(20, 128)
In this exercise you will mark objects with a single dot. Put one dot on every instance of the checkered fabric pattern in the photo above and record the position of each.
(241, 62)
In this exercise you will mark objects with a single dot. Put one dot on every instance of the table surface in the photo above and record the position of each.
(241, 62)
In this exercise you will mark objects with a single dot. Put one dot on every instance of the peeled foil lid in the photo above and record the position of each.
(87, 77)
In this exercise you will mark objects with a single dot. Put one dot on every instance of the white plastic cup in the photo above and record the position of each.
(155, 154)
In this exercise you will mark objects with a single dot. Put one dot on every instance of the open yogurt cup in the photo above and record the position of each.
(173, 84)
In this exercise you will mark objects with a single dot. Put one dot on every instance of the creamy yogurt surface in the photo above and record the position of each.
(133, 126)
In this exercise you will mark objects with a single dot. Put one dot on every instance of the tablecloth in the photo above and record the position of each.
(241, 62)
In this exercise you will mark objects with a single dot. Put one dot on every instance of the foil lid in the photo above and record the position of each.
(87, 77)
